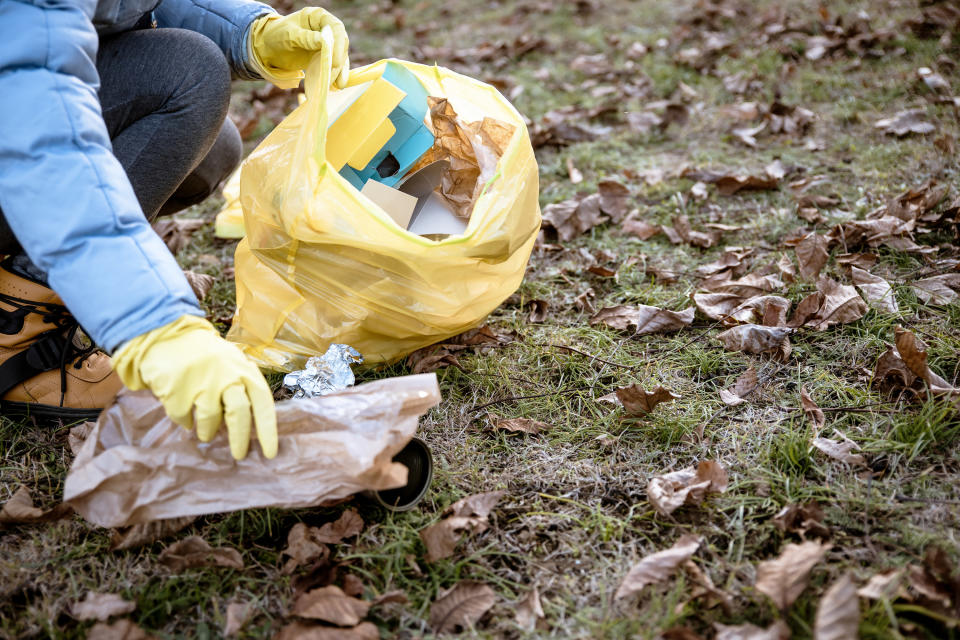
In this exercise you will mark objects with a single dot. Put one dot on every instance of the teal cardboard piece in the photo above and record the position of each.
(411, 140)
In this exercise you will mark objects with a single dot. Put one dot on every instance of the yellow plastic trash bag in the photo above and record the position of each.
(229, 222)
(322, 264)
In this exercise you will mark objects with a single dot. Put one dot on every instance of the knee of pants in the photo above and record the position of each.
(224, 156)
(205, 79)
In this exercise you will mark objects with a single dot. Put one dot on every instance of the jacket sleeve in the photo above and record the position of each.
(62, 191)
(226, 22)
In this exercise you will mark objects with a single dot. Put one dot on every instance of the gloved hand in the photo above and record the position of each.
(192, 370)
(281, 47)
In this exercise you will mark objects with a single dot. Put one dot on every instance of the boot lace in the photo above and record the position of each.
(66, 325)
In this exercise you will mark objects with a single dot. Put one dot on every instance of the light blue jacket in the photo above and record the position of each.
(62, 191)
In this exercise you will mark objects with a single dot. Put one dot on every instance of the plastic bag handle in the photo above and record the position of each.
(316, 86)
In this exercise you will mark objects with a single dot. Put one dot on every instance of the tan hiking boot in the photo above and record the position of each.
(43, 372)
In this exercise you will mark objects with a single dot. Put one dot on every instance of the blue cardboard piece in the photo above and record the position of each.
(411, 140)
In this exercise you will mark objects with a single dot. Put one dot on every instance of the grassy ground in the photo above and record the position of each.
(575, 515)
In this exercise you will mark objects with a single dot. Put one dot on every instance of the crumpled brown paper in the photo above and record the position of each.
(472, 149)
(137, 465)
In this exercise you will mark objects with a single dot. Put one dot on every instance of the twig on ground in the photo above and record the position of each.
(591, 356)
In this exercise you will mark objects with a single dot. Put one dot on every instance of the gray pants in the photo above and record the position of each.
(164, 94)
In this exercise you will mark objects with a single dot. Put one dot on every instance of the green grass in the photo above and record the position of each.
(575, 515)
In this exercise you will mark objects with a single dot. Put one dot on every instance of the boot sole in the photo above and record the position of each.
(47, 414)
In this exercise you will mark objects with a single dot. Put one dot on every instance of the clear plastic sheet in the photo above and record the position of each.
(324, 374)
(137, 465)
(322, 264)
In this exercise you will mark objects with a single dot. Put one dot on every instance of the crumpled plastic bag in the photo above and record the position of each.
(137, 465)
(473, 150)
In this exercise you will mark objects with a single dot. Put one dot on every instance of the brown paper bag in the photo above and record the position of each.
(137, 465)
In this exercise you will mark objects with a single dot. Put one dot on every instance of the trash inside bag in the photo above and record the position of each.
(322, 263)
(324, 374)
(137, 465)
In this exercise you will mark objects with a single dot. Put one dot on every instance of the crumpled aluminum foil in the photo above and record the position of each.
(324, 374)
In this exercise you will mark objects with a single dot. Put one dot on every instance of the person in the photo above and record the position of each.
(113, 112)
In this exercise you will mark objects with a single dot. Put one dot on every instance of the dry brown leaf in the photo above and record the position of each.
(194, 551)
(563, 126)
(201, 283)
(757, 339)
(703, 587)
(906, 122)
(840, 449)
(891, 372)
(732, 308)
(574, 217)
(78, 435)
(786, 268)
(479, 504)
(875, 290)
(658, 566)
(938, 289)
(303, 547)
(237, 615)
(19, 509)
(638, 402)
(524, 425)
(883, 586)
(683, 232)
(352, 585)
(914, 354)
(777, 631)
(465, 515)
(614, 199)
(118, 630)
(639, 228)
(812, 255)
(332, 605)
(838, 614)
(669, 492)
(841, 304)
(743, 387)
(811, 410)
(101, 606)
(732, 258)
(864, 261)
(141, 534)
(302, 631)
(730, 184)
(176, 232)
(802, 519)
(461, 607)
(529, 610)
(748, 286)
(644, 318)
(538, 311)
(390, 597)
(349, 524)
(429, 359)
(784, 578)
(806, 310)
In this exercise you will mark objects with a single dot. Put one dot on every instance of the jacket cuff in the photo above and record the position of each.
(241, 51)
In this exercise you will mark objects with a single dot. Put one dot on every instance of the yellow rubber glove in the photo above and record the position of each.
(281, 47)
(192, 370)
